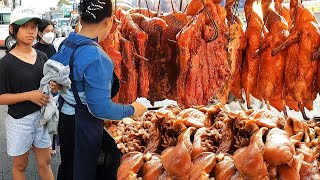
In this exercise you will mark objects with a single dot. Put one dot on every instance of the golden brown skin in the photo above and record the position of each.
(196, 146)
(175, 21)
(226, 169)
(235, 49)
(282, 11)
(202, 165)
(131, 31)
(271, 72)
(185, 41)
(145, 12)
(249, 160)
(309, 156)
(264, 118)
(196, 5)
(129, 74)
(286, 172)
(255, 36)
(295, 129)
(300, 72)
(236, 45)
(158, 78)
(203, 65)
(177, 161)
(153, 169)
(130, 165)
(309, 171)
(305, 89)
(192, 117)
(279, 149)
(111, 45)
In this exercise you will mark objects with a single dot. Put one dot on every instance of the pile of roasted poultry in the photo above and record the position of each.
(216, 143)
(204, 52)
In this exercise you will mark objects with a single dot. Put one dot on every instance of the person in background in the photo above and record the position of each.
(45, 38)
(57, 42)
(20, 75)
(84, 109)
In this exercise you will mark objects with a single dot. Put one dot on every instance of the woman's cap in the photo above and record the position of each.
(21, 15)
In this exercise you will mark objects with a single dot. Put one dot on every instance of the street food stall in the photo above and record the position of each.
(200, 53)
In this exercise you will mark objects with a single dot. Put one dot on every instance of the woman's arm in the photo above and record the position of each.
(35, 96)
(98, 82)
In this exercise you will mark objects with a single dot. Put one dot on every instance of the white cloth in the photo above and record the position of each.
(57, 72)
(57, 41)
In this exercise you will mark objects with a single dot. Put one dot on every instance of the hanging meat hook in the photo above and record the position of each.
(186, 8)
(214, 25)
(180, 5)
(172, 6)
(147, 8)
(159, 6)
(139, 4)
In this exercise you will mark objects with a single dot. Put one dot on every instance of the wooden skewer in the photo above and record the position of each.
(123, 81)
(140, 57)
(170, 40)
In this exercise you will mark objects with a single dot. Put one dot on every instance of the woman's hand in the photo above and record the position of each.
(55, 87)
(139, 109)
(37, 97)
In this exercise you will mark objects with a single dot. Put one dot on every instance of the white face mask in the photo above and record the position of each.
(48, 37)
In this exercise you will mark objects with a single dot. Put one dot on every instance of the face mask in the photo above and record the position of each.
(48, 37)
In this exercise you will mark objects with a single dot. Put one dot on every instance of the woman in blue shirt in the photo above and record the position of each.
(84, 108)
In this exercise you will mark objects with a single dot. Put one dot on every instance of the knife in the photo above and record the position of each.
(154, 108)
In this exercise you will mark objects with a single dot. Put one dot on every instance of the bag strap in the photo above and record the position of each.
(74, 46)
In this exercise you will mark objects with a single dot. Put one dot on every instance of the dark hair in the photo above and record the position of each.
(15, 29)
(94, 11)
(43, 26)
(13, 34)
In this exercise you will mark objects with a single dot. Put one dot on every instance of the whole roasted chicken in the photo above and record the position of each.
(282, 11)
(255, 35)
(305, 36)
(271, 71)
(236, 45)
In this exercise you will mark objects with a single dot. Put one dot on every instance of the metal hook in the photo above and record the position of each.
(139, 4)
(180, 5)
(172, 6)
(115, 6)
(159, 5)
(147, 8)
(214, 25)
(186, 8)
